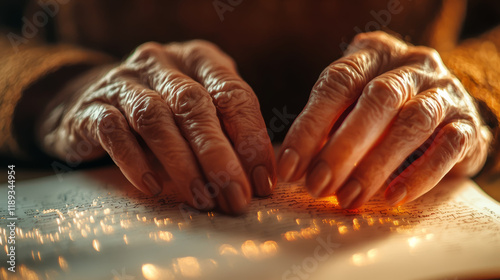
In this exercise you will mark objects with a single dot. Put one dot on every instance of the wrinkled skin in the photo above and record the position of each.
(382, 105)
(385, 115)
(178, 113)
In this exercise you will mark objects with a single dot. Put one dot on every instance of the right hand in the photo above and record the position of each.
(176, 112)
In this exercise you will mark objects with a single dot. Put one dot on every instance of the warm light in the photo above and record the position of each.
(333, 200)
(309, 232)
(150, 272)
(227, 250)
(269, 248)
(413, 241)
(165, 235)
(342, 229)
(96, 245)
(355, 224)
(372, 253)
(357, 259)
(125, 239)
(189, 267)
(291, 235)
(63, 263)
(250, 250)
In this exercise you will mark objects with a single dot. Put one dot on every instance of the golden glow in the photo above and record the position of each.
(309, 232)
(291, 235)
(150, 272)
(342, 229)
(260, 215)
(63, 263)
(358, 259)
(355, 224)
(189, 267)
(250, 250)
(125, 239)
(413, 241)
(96, 245)
(372, 254)
(269, 248)
(165, 236)
(227, 250)
(333, 200)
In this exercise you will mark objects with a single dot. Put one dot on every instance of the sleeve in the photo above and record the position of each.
(21, 66)
(476, 62)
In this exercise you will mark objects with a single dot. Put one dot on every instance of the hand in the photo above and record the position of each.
(176, 112)
(386, 114)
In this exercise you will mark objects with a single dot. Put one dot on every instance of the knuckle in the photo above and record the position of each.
(341, 79)
(451, 84)
(457, 137)
(428, 57)
(107, 121)
(147, 112)
(376, 40)
(188, 98)
(233, 97)
(383, 95)
(147, 50)
(117, 74)
(418, 118)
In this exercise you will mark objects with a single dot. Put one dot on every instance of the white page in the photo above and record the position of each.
(94, 225)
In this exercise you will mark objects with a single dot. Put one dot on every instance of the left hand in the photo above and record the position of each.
(386, 114)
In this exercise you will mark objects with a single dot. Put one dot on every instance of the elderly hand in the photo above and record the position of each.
(385, 115)
(176, 112)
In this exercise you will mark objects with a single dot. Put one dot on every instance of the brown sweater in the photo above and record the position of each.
(280, 46)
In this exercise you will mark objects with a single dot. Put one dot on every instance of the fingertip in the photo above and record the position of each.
(287, 164)
(395, 195)
(152, 184)
(348, 194)
(234, 199)
(263, 181)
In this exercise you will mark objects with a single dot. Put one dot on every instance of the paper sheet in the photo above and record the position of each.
(94, 225)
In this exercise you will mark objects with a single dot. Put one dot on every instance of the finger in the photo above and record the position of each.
(449, 147)
(197, 119)
(113, 133)
(337, 88)
(150, 116)
(411, 130)
(380, 102)
(238, 109)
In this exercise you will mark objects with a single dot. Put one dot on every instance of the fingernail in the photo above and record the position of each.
(319, 178)
(287, 164)
(395, 194)
(200, 198)
(262, 181)
(151, 183)
(235, 197)
(348, 193)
